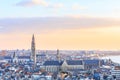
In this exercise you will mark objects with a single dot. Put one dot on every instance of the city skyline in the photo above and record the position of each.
(63, 24)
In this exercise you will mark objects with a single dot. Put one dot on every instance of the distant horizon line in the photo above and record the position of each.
(63, 49)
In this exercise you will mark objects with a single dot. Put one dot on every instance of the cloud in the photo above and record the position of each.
(41, 25)
(76, 6)
(58, 5)
(32, 3)
(48, 4)
(1, 27)
(40, 3)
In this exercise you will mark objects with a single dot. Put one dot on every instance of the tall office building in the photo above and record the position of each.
(33, 53)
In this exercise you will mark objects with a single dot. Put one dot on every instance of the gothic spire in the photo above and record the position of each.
(33, 53)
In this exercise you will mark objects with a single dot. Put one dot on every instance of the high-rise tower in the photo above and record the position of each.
(33, 53)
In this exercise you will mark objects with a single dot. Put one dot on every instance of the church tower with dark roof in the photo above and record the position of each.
(58, 55)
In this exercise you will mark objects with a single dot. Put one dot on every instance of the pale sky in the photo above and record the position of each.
(60, 24)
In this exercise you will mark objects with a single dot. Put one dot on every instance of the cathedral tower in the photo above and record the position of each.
(15, 58)
(33, 53)
(58, 55)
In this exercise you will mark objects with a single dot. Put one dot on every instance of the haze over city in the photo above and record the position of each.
(60, 24)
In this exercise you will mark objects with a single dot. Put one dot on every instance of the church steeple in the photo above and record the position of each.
(15, 58)
(14, 55)
(58, 55)
(33, 53)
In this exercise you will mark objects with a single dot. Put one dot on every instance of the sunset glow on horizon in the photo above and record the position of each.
(76, 25)
(74, 39)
